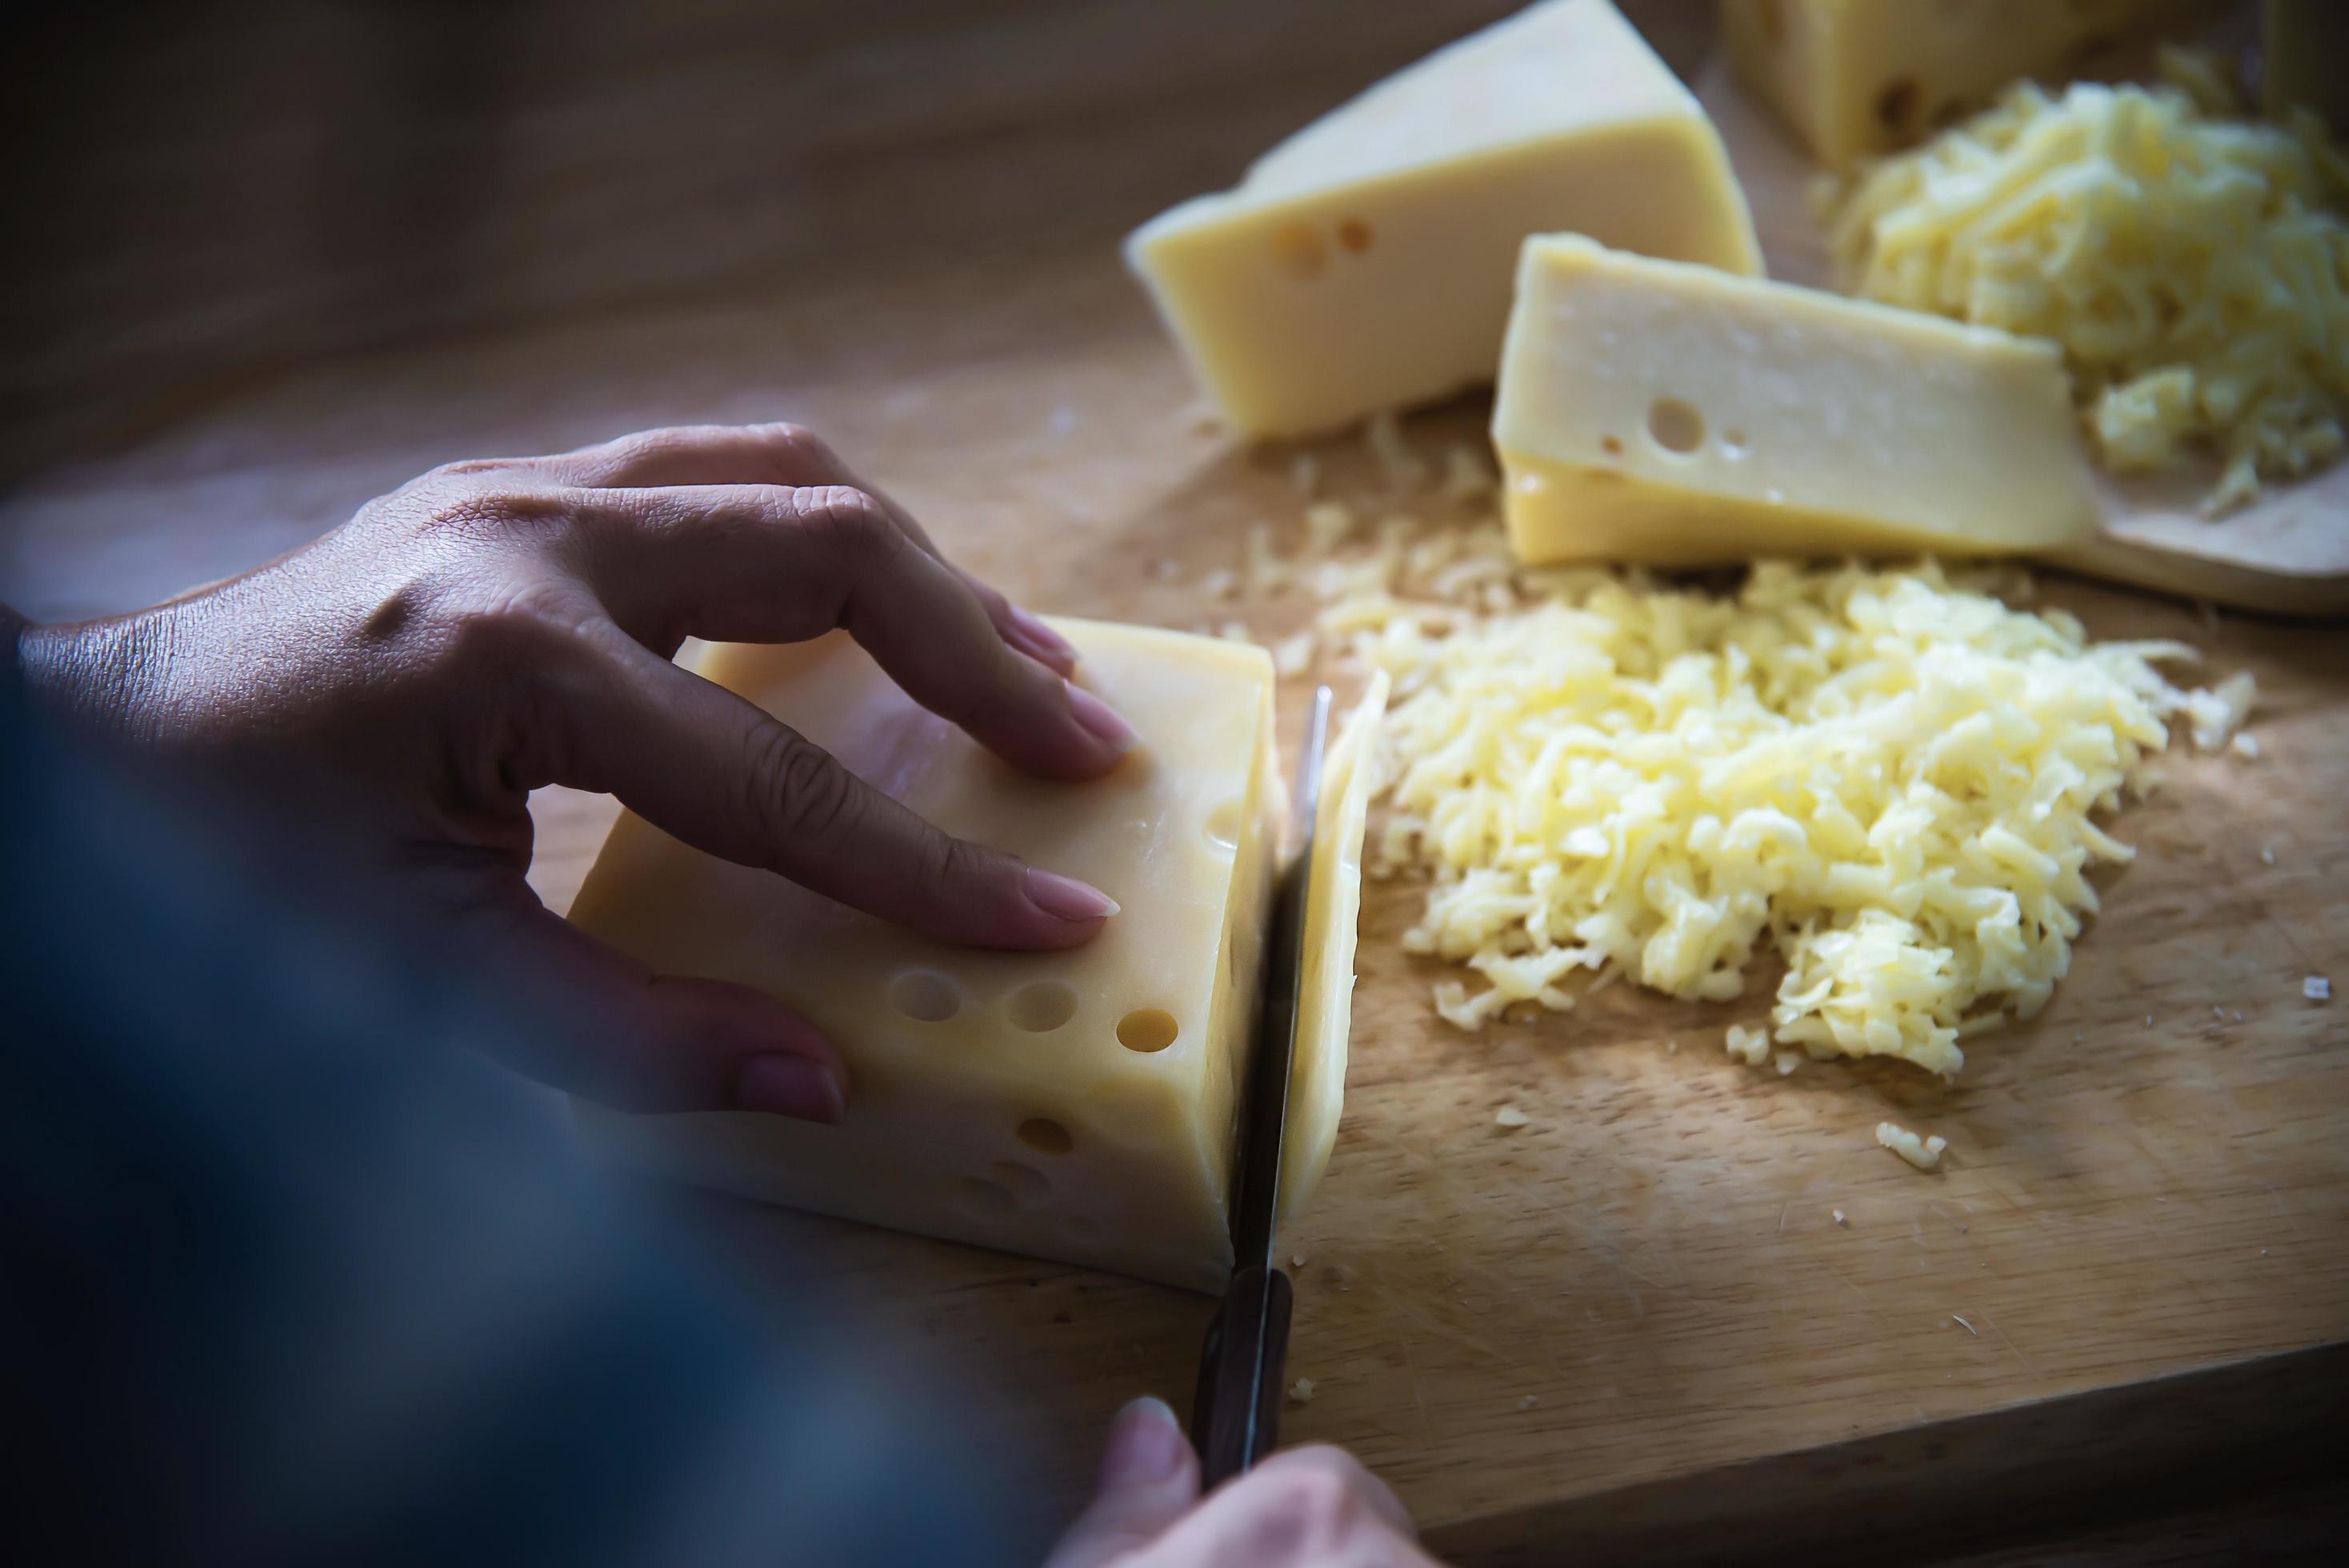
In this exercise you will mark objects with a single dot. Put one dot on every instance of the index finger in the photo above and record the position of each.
(787, 455)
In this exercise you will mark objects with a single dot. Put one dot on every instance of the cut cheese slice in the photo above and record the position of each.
(1852, 77)
(1078, 1106)
(1656, 412)
(1364, 263)
(1333, 902)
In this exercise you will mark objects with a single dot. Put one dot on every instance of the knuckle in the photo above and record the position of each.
(794, 446)
(1314, 1491)
(541, 627)
(797, 791)
(845, 522)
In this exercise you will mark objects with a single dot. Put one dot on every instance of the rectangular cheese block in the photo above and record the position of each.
(1855, 77)
(1079, 1106)
(1651, 411)
(1364, 263)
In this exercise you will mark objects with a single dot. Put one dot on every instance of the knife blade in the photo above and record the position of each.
(1236, 1413)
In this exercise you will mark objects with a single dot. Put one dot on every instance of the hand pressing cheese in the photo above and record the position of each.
(1076, 1105)
(1656, 412)
(1363, 264)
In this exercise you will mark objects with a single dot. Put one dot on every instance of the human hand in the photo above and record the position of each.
(497, 625)
(1303, 1508)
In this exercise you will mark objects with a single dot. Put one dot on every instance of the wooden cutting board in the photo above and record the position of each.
(1636, 1320)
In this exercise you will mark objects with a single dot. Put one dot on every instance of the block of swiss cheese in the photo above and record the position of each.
(1855, 77)
(1652, 411)
(1076, 1106)
(1364, 263)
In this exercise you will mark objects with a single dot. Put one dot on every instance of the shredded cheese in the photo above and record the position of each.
(2194, 265)
(1924, 1153)
(1888, 778)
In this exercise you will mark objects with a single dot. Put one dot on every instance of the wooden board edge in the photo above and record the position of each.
(2041, 1463)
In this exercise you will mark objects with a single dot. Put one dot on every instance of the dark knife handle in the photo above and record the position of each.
(1236, 1412)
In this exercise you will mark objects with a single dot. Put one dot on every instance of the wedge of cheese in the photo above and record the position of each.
(1078, 1106)
(1333, 899)
(1364, 263)
(1854, 76)
(1651, 411)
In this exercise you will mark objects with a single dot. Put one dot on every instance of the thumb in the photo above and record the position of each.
(1149, 1478)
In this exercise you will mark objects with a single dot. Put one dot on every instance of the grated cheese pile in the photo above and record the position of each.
(2194, 265)
(1885, 776)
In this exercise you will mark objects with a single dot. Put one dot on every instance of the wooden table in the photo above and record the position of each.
(1633, 1325)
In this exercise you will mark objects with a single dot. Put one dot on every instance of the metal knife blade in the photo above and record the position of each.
(1236, 1416)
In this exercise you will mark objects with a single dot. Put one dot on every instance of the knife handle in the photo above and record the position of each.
(1236, 1412)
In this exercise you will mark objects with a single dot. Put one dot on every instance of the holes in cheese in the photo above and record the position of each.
(1045, 1136)
(1363, 264)
(1133, 1148)
(1855, 78)
(1860, 429)
(1147, 1029)
(1040, 1006)
(1674, 425)
(926, 995)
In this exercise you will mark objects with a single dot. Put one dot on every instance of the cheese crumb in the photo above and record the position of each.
(1328, 524)
(1293, 655)
(1838, 1217)
(2215, 714)
(1220, 583)
(2316, 989)
(2267, 857)
(1302, 1390)
(1750, 1046)
(1969, 1327)
(1467, 473)
(2188, 261)
(1924, 1153)
(1786, 1062)
(1404, 469)
(1510, 1115)
(2245, 746)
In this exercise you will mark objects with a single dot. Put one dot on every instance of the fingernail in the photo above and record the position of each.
(788, 1086)
(1145, 1444)
(1066, 898)
(1101, 720)
(1046, 641)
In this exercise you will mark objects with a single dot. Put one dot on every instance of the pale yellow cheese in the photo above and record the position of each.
(1654, 411)
(2189, 261)
(997, 1098)
(1852, 77)
(1364, 263)
(1333, 900)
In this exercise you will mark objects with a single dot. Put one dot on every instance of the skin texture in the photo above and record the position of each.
(1303, 1508)
(501, 624)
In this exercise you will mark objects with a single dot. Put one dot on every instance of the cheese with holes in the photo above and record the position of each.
(1853, 76)
(1363, 264)
(1078, 1106)
(1333, 898)
(1653, 411)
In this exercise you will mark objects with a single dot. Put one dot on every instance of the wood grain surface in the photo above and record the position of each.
(1638, 1305)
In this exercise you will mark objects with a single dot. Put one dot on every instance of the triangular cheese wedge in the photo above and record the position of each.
(1365, 263)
